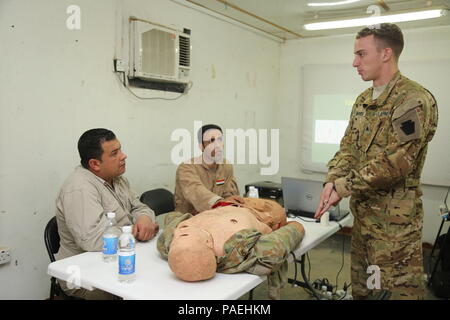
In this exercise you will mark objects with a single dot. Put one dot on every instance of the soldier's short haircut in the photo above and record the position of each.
(387, 35)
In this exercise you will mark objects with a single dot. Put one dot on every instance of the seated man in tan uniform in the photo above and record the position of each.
(203, 181)
(252, 237)
(93, 189)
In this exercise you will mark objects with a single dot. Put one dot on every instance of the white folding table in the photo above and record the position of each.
(155, 280)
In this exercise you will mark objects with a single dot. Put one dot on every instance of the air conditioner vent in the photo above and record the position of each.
(158, 49)
(185, 49)
(159, 53)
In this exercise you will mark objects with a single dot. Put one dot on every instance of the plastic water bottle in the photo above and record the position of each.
(252, 192)
(127, 256)
(110, 239)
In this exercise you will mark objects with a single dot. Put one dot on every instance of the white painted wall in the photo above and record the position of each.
(420, 44)
(56, 83)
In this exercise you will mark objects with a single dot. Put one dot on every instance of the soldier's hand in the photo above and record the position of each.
(324, 198)
(332, 201)
(328, 198)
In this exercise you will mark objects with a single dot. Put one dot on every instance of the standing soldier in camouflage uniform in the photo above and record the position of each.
(379, 164)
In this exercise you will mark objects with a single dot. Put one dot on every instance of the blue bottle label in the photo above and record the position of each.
(127, 263)
(110, 245)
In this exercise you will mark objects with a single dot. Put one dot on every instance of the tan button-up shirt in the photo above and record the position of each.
(198, 187)
(81, 207)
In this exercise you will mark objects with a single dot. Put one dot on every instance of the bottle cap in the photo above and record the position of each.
(111, 215)
(126, 229)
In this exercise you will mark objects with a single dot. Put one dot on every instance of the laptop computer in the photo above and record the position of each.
(302, 196)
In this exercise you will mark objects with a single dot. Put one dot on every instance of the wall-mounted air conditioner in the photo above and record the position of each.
(159, 53)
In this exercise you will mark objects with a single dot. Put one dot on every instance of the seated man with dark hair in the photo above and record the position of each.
(93, 189)
(252, 236)
(201, 182)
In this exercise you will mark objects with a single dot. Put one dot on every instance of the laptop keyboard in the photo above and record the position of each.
(301, 213)
(307, 214)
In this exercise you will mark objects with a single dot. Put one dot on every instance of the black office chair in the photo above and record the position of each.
(159, 200)
(51, 237)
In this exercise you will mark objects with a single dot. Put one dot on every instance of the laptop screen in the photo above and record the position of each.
(301, 194)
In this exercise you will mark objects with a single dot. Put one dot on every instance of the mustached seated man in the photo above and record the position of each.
(251, 236)
(93, 189)
(203, 181)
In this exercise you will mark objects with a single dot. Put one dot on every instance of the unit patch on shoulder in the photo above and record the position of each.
(408, 126)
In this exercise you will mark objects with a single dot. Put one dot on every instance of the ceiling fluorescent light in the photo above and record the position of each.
(326, 4)
(392, 18)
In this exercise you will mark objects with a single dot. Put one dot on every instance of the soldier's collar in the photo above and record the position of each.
(385, 94)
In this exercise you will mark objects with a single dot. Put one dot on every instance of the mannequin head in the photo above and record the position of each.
(191, 255)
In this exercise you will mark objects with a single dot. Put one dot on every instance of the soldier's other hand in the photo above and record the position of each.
(332, 201)
(324, 201)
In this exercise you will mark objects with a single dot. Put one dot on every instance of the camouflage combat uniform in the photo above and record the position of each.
(247, 250)
(379, 164)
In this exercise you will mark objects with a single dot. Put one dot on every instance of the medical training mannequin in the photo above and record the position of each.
(205, 241)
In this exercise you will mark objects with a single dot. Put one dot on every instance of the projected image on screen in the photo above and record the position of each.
(330, 119)
(329, 131)
(328, 92)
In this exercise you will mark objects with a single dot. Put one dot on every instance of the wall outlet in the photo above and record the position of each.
(119, 65)
(5, 255)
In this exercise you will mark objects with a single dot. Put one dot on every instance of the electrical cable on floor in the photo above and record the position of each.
(342, 264)
(307, 290)
(324, 281)
(309, 266)
(309, 273)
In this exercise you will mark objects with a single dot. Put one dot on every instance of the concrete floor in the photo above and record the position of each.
(326, 261)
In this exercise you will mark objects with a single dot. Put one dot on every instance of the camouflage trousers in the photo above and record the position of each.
(262, 255)
(247, 250)
(386, 251)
